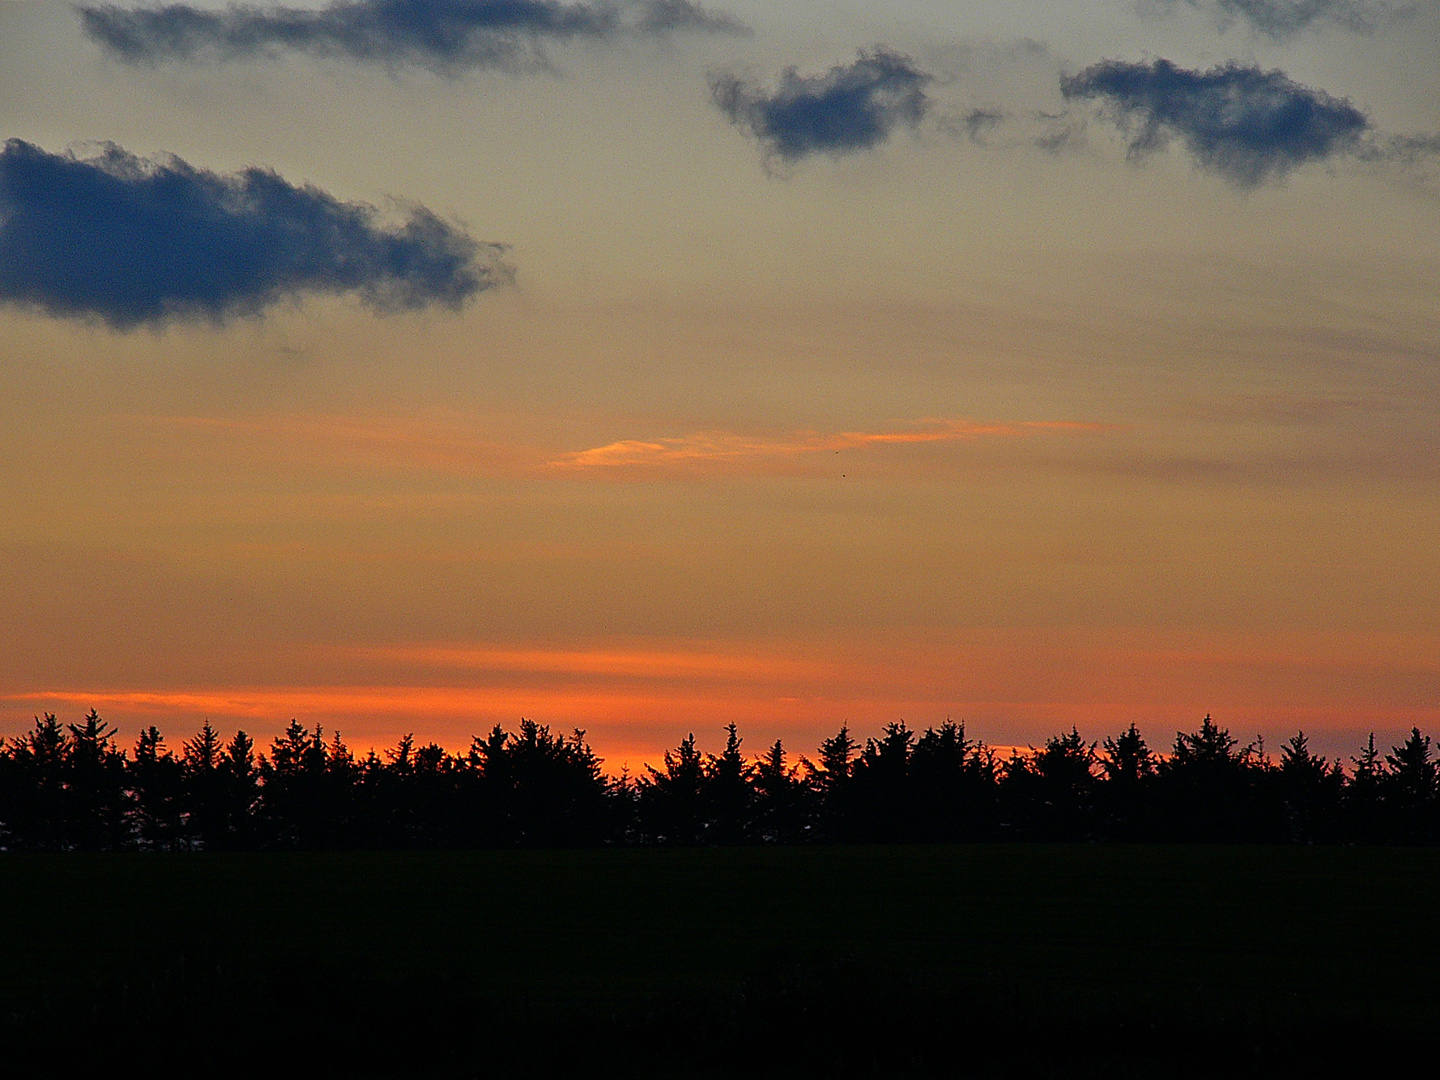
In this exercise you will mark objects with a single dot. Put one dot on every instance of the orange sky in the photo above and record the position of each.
(1009, 687)
(1026, 429)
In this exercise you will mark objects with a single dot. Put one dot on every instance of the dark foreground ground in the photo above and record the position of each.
(1070, 961)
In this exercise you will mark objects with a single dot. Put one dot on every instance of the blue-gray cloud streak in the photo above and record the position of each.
(447, 36)
(848, 108)
(1283, 19)
(133, 241)
(1246, 124)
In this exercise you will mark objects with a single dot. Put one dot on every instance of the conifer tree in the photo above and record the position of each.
(780, 798)
(1126, 797)
(1410, 789)
(672, 800)
(728, 793)
(1311, 791)
(157, 781)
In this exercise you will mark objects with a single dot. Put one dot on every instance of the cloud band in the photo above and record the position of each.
(443, 35)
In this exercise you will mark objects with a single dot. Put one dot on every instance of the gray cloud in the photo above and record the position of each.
(447, 36)
(1282, 19)
(133, 241)
(1407, 149)
(980, 122)
(1058, 131)
(1246, 124)
(673, 16)
(848, 108)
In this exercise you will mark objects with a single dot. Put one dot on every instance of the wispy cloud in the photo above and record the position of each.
(978, 123)
(133, 241)
(470, 446)
(446, 36)
(1283, 19)
(1406, 150)
(1243, 123)
(1057, 132)
(729, 451)
(848, 108)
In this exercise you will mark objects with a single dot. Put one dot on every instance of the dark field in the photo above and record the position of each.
(991, 960)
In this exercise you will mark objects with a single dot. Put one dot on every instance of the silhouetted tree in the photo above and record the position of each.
(728, 793)
(298, 805)
(342, 780)
(1127, 795)
(1064, 771)
(96, 796)
(202, 798)
(781, 799)
(486, 809)
(1311, 791)
(1409, 786)
(1363, 797)
(158, 783)
(952, 786)
(557, 794)
(1207, 790)
(672, 800)
(70, 787)
(880, 782)
(392, 789)
(831, 778)
(37, 802)
(239, 794)
(1019, 793)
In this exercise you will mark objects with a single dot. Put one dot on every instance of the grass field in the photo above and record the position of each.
(1269, 948)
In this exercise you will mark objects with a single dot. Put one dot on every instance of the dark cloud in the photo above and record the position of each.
(844, 110)
(1282, 19)
(980, 122)
(135, 241)
(442, 35)
(673, 16)
(1243, 123)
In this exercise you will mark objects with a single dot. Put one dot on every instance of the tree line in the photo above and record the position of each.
(72, 787)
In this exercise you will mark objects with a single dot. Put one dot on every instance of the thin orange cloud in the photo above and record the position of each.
(455, 444)
(730, 448)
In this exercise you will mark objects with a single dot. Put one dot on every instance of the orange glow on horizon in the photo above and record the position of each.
(636, 702)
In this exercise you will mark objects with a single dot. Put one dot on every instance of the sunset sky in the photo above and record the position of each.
(419, 365)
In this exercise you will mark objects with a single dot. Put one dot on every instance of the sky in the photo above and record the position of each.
(419, 365)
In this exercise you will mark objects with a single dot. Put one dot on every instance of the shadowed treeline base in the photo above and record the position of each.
(72, 788)
(990, 960)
